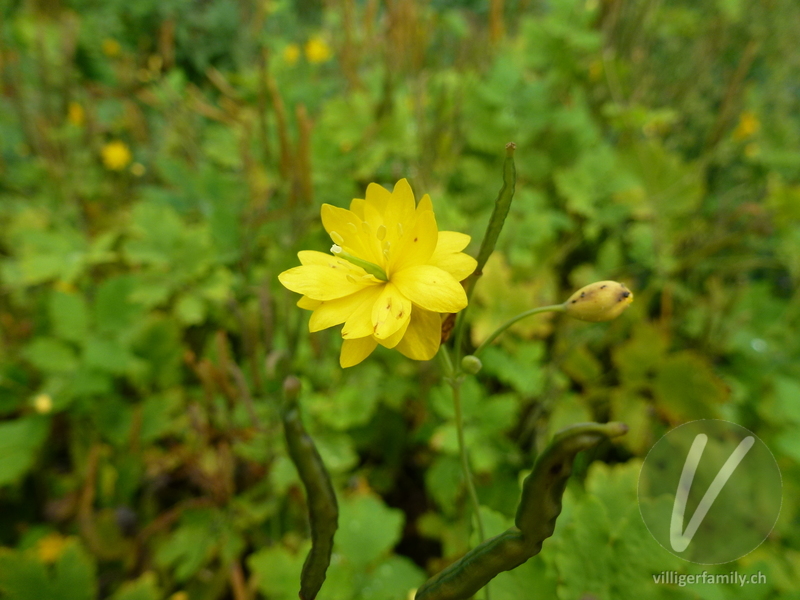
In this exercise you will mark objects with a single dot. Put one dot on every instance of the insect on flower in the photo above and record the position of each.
(390, 275)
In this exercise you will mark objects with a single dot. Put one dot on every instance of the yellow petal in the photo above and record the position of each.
(357, 207)
(390, 312)
(312, 257)
(345, 229)
(334, 312)
(378, 197)
(423, 335)
(400, 208)
(451, 241)
(308, 303)
(431, 288)
(354, 351)
(458, 264)
(424, 204)
(416, 246)
(395, 338)
(359, 323)
(320, 282)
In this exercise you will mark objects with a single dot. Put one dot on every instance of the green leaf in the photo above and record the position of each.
(686, 387)
(277, 571)
(51, 355)
(584, 558)
(368, 529)
(20, 440)
(393, 579)
(143, 588)
(69, 316)
(24, 577)
(114, 311)
(191, 545)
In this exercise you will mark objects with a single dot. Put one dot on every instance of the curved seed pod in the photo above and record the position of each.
(535, 521)
(501, 206)
(543, 488)
(323, 510)
(477, 567)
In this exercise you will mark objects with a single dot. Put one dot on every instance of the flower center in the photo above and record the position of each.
(369, 267)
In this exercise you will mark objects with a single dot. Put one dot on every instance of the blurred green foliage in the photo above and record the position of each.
(161, 162)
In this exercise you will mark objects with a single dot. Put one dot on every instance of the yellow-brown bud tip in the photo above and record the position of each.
(600, 301)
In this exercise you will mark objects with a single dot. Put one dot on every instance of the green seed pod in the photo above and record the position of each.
(543, 488)
(500, 212)
(322, 506)
(536, 516)
(477, 567)
(600, 301)
(471, 364)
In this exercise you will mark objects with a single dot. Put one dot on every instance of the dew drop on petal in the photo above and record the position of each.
(351, 279)
(399, 230)
(352, 227)
(365, 226)
(337, 238)
(381, 233)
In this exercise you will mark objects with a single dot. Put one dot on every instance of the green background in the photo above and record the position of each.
(658, 144)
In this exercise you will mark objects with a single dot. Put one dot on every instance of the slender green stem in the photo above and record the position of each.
(447, 363)
(462, 450)
(519, 317)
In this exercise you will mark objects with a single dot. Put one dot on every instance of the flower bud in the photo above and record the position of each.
(471, 364)
(600, 301)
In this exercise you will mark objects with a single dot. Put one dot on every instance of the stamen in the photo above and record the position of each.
(387, 246)
(336, 249)
(337, 238)
(381, 233)
(365, 226)
(351, 279)
(386, 254)
(352, 227)
(399, 230)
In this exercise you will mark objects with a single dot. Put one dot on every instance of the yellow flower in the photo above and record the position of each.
(317, 50)
(391, 274)
(291, 54)
(748, 126)
(43, 404)
(116, 155)
(75, 114)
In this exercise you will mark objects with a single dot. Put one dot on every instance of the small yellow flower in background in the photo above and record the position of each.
(391, 275)
(600, 301)
(318, 51)
(111, 47)
(50, 547)
(75, 114)
(748, 126)
(179, 596)
(43, 404)
(291, 54)
(138, 169)
(116, 155)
